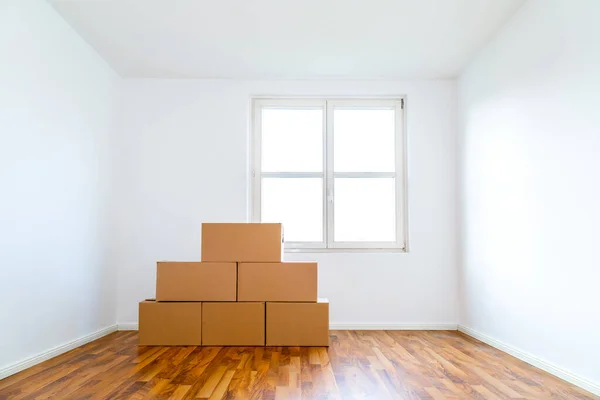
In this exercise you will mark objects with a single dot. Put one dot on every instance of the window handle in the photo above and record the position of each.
(330, 195)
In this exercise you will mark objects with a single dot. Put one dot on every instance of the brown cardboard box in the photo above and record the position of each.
(242, 242)
(170, 324)
(233, 324)
(286, 281)
(196, 281)
(298, 324)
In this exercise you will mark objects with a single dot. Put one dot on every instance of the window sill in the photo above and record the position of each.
(349, 250)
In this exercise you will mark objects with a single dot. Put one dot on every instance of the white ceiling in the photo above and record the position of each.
(264, 39)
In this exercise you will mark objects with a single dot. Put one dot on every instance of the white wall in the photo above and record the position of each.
(184, 160)
(530, 155)
(56, 102)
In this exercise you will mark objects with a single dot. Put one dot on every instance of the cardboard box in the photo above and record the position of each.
(285, 281)
(298, 324)
(233, 324)
(170, 324)
(196, 281)
(242, 242)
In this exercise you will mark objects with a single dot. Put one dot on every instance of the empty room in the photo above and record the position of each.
(317, 199)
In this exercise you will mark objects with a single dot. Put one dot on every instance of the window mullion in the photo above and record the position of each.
(291, 174)
(329, 182)
(358, 175)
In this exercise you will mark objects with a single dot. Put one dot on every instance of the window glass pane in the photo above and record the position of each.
(297, 203)
(365, 210)
(364, 140)
(292, 140)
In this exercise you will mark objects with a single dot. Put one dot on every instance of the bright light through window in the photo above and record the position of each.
(365, 210)
(292, 140)
(364, 140)
(297, 203)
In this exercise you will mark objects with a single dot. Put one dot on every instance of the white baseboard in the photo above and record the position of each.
(133, 326)
(128, 326)
(55, 351)
(536, 362)
(391, 327)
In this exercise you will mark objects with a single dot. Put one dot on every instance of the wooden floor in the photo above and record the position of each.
(358, 365)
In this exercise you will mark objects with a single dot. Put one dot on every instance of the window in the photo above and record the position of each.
(332, 171)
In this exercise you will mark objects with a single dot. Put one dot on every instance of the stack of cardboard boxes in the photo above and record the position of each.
(240, 294)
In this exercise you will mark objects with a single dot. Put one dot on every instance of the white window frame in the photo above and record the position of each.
(328, 175)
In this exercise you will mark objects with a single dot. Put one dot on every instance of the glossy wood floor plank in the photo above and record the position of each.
(358, 365)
